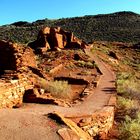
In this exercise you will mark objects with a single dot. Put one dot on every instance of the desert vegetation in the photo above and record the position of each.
(122, 26)
(88, 64)
(128, 106)
(128, 85)
(59, 89)
(130, 128)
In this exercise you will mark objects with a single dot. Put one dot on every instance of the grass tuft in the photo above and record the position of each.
(59, 89)
(128, 102)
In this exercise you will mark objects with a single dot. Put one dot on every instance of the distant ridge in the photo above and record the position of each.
(120, 26)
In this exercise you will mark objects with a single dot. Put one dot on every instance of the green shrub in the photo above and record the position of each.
(128, 85)
(128, 102)
(111, 27)
(130, 128)
(125, 103)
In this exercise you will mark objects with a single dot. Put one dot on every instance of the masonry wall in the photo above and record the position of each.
(18, 58)
(11, 93)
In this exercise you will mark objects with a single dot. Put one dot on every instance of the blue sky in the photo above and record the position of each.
(31, 10)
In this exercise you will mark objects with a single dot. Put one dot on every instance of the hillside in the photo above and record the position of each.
(121, 26)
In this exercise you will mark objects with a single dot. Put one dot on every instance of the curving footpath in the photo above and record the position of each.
(94, 102)
(14, 121)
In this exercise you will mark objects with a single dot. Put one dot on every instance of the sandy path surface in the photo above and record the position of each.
(20, 125)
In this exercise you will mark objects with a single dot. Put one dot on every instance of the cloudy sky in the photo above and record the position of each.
(31, 10)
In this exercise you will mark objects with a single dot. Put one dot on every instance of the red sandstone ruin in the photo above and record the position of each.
(18, 67)
(55, 39)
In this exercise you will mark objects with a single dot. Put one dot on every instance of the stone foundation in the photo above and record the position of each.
(14, 72)
(99, 123)
(11, 93)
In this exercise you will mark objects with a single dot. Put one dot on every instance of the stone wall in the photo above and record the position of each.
(11, 93)
(24, 56)
(99, 123)
(55, 39)
(15, 60)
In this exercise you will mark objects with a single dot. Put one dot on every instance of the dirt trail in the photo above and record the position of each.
(18, 123)
(92, 103)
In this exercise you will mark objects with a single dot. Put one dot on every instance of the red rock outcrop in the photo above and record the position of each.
(55, 38)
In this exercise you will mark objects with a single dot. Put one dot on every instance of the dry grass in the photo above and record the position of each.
(42, 83)
(125, 103)
(130, 128)
(128, 84)
(128, 101)
(59, 89)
